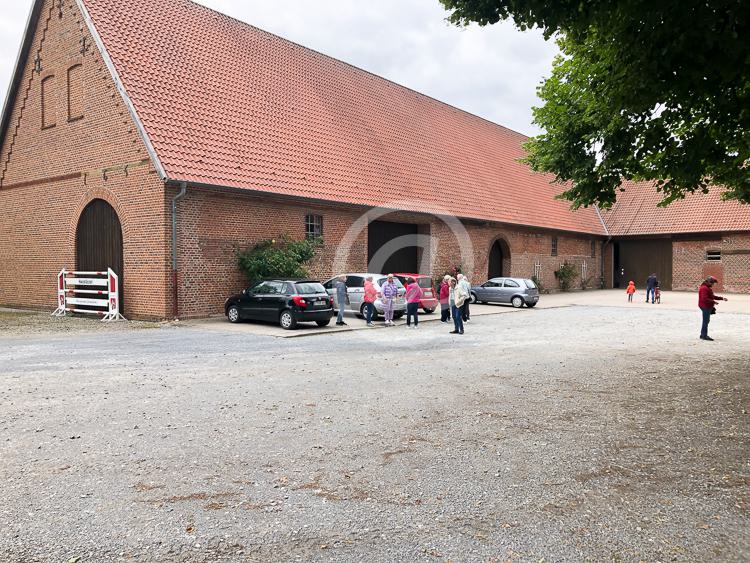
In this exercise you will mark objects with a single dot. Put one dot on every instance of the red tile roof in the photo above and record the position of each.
(636, 213)
(227, 104)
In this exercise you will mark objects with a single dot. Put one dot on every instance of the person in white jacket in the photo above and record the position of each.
(458, 296)
(464, 282)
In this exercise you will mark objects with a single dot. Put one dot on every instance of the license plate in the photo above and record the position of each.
(321, 304)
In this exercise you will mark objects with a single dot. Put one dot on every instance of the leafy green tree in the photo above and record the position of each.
(282, 258)
(642, 90)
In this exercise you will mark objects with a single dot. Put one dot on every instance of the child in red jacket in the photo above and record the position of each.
(630, 291)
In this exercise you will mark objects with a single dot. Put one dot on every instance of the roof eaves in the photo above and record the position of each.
(23, 53)
(123, 92)
(176, 182)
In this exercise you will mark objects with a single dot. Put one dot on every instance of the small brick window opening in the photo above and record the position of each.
(75, 92)
(713, 255)
(48, 102)
(593, 249)
(554, 246)
(313, 227)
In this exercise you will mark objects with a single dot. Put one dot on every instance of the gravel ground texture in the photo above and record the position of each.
(569, 434)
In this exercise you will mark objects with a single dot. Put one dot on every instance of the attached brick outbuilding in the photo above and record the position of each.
(162, 113)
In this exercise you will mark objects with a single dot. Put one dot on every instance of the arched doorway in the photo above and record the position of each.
(499, 261)
(99, 241)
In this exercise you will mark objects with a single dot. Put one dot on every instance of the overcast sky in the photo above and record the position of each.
(492, 72)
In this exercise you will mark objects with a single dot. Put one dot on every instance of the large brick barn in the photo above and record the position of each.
(159, 137)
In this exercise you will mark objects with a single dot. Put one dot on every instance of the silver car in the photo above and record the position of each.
(516, 291)
(355, 286)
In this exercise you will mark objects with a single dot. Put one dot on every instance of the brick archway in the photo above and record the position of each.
(499, 259)
(99, 241)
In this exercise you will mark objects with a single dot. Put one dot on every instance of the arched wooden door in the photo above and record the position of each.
(99, 241)
(499, 261)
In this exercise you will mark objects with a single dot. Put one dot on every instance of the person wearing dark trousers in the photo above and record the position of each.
(413, 298)
(651, 283)
(463, 281)
(371, 294)
(707, 301)
(445, 307)
(457, 298)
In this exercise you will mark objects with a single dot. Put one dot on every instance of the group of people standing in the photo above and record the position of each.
(653, 291)
(454, 300)
(707, 299)
(455, 296)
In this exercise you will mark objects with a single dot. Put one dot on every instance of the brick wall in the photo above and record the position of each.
(690, 266)
(214, 225)
(48, 175)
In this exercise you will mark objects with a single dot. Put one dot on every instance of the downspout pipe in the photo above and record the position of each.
(175, 292)
(605, 244)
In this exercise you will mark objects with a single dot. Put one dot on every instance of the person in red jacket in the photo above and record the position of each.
(371, 294)
(707, 300)
(445, 307)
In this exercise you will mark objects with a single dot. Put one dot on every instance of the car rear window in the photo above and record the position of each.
(530, 284)
(309, 288)
(397, 281)
(425, 283)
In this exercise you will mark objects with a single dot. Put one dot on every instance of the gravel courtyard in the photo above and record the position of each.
(567, 434)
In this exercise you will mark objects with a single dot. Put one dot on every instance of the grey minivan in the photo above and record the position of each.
(516, 291)
(355, 287)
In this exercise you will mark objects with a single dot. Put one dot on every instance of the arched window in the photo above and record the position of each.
(75, 92)
(48, 102)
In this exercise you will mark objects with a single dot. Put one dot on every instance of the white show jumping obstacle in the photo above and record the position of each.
(102, 287)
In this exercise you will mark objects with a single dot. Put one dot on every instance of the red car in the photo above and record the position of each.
(429, 301)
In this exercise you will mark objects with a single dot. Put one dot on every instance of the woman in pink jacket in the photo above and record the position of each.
(413, 298)
(371, 294)
(445, 305)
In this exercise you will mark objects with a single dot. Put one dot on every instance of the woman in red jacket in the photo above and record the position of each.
(445, 306)
(707, 300)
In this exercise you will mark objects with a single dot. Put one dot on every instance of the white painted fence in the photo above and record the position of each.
(98, 292)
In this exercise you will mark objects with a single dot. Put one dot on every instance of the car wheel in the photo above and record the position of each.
(287, 320)
(233, 314)
(531, 305)
(517, 302)
(428, 311)
(473, 298)
(363, 313)
(323, 323)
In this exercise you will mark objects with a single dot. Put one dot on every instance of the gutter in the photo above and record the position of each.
(175, 291)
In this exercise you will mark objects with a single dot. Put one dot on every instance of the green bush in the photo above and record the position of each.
(282, 258)
(565, 276)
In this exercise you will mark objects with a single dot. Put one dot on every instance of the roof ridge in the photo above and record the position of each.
(355, 67)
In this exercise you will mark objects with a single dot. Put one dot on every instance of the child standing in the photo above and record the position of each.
(630, 291)
(657, 293)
